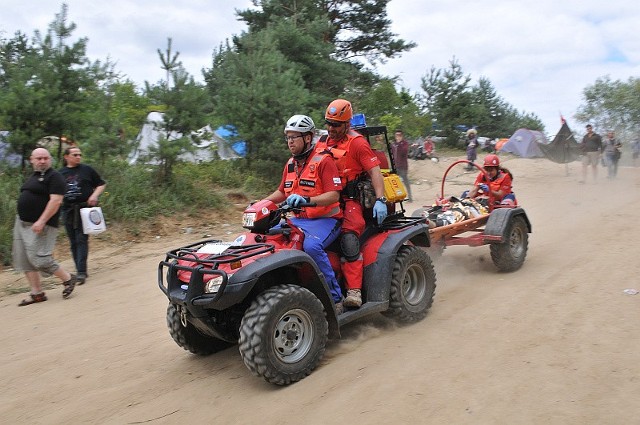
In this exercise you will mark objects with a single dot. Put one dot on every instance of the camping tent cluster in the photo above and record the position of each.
(533, 144)
(210, 144)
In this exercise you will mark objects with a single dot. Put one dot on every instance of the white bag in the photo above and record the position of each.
(92, 220)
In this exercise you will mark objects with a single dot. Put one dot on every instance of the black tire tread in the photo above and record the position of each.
(190, 338)
(397, 307)
(254, 342)
(501, 253)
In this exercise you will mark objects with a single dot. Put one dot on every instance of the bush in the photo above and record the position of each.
(10, 182)
(133, 197)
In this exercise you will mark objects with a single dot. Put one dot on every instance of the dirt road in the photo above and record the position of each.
(556, 342)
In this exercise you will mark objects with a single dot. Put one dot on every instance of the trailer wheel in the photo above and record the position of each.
(509, 255)
(413, 285)
(283, 334)
(189, 338)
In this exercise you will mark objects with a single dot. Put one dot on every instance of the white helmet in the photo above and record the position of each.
(300, 123)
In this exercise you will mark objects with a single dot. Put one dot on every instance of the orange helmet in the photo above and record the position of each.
(339, 110)
(491, 161)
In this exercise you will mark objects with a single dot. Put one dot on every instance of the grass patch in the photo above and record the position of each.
(133, 198)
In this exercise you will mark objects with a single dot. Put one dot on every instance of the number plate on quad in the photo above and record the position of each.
(213, 248)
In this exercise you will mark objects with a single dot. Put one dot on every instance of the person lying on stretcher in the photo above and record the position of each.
(499, 183)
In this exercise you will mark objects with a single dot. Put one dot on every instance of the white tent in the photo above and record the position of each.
(6, 157)
(208, 140)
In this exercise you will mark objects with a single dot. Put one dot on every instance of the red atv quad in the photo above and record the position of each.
(504, 227)
(266, 294)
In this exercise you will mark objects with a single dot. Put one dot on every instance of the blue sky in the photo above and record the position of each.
(539, 55)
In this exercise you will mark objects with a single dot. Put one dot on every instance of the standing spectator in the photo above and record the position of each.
(84, 187)
(355, 160)
(611, 148)
(36, 227)
(400, 154)
(472, 147)
(591, 149)
(312, 177)
(635, 151)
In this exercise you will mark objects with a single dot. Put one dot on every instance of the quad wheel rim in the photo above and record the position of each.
(516, 242)
(293, 336)
(414, 285)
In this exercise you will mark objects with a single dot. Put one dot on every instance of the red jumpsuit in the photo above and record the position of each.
(353, 156)
(502, 181)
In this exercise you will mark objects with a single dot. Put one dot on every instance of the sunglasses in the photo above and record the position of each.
(76, 154)
(333, 124)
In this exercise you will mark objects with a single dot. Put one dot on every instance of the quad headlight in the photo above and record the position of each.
(213, 286)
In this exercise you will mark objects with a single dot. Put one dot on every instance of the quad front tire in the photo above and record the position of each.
(189, 338)
(283, 334)
(413, 285)
(510, 254)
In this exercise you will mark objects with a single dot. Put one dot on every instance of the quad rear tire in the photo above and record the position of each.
(413, 285)
(509, 255)
(189, 338)
(283, 334)
(436, 249)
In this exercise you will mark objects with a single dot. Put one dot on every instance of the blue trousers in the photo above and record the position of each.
(319, 233)
(79, 242)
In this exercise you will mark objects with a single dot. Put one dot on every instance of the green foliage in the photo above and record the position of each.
(169, 61)
(9, 189)
(451, 101)
(133, 195)
(447, 98)
(263, 176)
(384, 105)
(257, 89)
(50, 88)
(354, 28)
(114, 122)
(612, 104)
(186, 108)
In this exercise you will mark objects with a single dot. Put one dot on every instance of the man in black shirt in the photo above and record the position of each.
(84, 186)
(36, 227)
(591, 149)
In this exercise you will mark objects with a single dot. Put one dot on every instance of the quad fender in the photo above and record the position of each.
(286, 266)
(495, 229)
(379, 254)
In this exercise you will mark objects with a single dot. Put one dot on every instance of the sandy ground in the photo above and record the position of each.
(556, 342)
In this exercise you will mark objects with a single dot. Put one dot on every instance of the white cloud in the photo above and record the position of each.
(539, 55)
(131, 32)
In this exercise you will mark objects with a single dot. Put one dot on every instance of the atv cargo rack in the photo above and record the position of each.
(203, 265)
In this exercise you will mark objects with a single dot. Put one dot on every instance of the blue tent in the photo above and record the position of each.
(230, 133)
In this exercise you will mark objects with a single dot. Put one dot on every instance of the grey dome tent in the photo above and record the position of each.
(525, 143)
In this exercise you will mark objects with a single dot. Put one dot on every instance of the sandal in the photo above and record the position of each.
(69, 286)
(35, 298)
